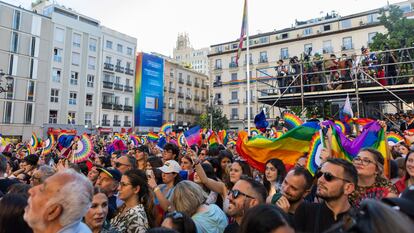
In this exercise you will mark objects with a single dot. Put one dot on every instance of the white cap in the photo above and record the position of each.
(170, 166)
(391, 143)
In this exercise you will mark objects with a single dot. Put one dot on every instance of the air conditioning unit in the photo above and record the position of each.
(318, 32)
(361, 23)
(277, 38)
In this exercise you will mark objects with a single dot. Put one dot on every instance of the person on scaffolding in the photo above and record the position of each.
(281, 73)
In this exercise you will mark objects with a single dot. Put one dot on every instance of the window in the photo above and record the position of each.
(250, 60)
(109, 44)
(117, 79)
(72, 118)
(33, 47)
(263, 57)
(119, 48)
(347, 43)
(263, 40)
(74, 78)
(54, 95)
(327, 46)
(76, 40)
(15, 42)
(10, 93)
(234, 113)
(127, 101)
(128, 65)
(88, 118)
(53, 116)
(8, 110)
(118, 62)
(16, 20)
(28, 113)
(31, 69)
(233, 76)
(129, 51)
(89, 99)
(218, 64)
(285, 35)
(75, 59)
(57, 54)
(307, 31)
(371, 37)
(307, 48)
(90, 80)
(284, 53)
(12, 66)
(56, 75)
(30, 90)
(346, 23)
(91, 63)
(92, 44)
(234, 95)
(372, 18)
(59, 35)
(127, 83)
(326, 28)
(72, 98)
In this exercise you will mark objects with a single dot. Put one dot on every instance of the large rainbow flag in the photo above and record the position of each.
(288, 148)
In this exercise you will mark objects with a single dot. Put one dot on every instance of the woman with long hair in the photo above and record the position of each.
(265, 219)
(95, 218)
(408, 179)
(275, 173)
(137, 212)
(11, 214)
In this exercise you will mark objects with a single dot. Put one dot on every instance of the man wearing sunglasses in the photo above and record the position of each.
(125, 163)
(336, 181)
(245, 194)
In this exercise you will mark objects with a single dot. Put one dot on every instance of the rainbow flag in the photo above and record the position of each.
(316, 146)
(193, 136)
(152, 137)
(288, 148)
(48, 144)
(341, 126)
(134, 139)
(117, 136)
(361, 121)
(166, 129)
(394, 137)
(255, 132)
(291, 120)
(213, 140)
(243, 31)
(231, 143)
(144, 140)
(181, 141)
(222, 134)
(34, 141)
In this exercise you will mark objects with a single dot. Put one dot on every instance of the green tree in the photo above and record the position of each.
(219, 121)
(399, 30)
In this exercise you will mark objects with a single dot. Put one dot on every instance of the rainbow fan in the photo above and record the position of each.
(292, 120)
(254, 132)
(315, 149)
(143, 140)
(83, 149)
(134, 139)
(34, 141)
(48, 145)
(341, 126)
(153, 137)
(166, 128)
(181, 141)
(117, 136)
(394, 137)
(231, 143)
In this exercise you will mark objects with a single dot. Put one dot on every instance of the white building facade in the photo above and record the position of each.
(187, 56)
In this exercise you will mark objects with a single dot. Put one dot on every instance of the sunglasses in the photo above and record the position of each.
(329, 177)
(118, 164)
(236, 193)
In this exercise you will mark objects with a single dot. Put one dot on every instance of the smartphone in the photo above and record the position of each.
(149, 173)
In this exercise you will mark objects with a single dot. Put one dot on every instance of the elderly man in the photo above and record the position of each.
(59, 204)
(41, 174)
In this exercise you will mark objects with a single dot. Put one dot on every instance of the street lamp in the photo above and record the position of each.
(7, 80)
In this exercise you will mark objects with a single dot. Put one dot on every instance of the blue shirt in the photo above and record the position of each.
(213, 220)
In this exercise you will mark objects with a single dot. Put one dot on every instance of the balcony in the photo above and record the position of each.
(197, 98)
(217, 84)
(203, 99)
(118, 107)
(263, 60)
(119, 69)
(233, 101)
(171, 90)
(171, 106)
(128, 88)
(57, 58)
(234, 117)
(251, 99)
(181, 80)
(180, 95)
(190, 111)
(129, 71)
(180, 110)
(217, 67)
(106, 105)
(108, 85)
(117, 123)
(118, 87)
(108, 66)
(328, 49)
(127, 108)
(196, 84)
(188, 97)
(233, 65)
(106, 123)
(219, 102)
(189, 83)
(347, 47)
(203, 86)
(251, 62)
(127, 123)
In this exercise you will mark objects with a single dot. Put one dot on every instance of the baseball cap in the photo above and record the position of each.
(405, 203)
(144, 148)
(111, 172)
(31, 159)
(170, 166)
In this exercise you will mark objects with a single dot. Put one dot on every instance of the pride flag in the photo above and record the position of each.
(222, 134)
(288, 148)
(291, 120)
(193, 136)
(213, 140)
(243, 32)
(152, 137)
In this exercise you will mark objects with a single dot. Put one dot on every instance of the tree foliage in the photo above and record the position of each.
(219, 121)
(399, 30)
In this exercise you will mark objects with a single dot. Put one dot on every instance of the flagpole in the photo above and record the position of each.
(248, 69)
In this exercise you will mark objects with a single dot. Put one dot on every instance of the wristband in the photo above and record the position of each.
(156, 189)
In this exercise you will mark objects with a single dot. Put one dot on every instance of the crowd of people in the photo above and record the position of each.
(203, 189)
(329, 72)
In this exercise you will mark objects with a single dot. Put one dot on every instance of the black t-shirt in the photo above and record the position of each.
(315, 218)
(232, 228)
(111, 207)
(5, 183)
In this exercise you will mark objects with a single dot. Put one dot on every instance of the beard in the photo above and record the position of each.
(331, 196)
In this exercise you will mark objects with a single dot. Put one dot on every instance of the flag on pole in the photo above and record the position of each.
(243, 32)
(346, 113)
